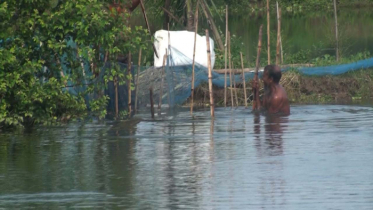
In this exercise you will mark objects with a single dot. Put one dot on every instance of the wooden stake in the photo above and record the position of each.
(225, 55)
(168, 87)
(279, 17)
(278, 35)
(336, 30)
(147, 24)
(235, 88)
(268, 35)
(230, 67)
(161, 88)
(282, 52)
(169, 37)
(168, 97)
(116, 97)
(137, 79)
(129, 68)
(243, 81)
(256, 101)
(151, 101)
(194, 56)
(168, 63)
(212, 106)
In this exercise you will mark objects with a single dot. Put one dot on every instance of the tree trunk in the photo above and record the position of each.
(165, 14)
(213, 27)
(189, 13)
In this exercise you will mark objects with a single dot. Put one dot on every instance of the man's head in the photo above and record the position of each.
(271, 75)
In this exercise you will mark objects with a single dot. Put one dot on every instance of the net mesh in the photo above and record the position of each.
(177, 80)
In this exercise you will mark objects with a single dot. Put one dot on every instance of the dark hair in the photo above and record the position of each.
(274, 72)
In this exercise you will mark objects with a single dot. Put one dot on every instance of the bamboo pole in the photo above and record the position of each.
(279, 17)
(147, 24)
(151, 101)
(169, 37)
(268, 35)
(194, 56)
(137, 80)
(282, 52)
(168, 95)
(235, 88)
(256, 102)
(129, 68)
(230, 67)
(168, 63)
(243, 80)
(161, 88)
(225, 55)
(116, 97)
(168, 86)
(212, 106)
(151, 84)
(278, 35)
(336, 30)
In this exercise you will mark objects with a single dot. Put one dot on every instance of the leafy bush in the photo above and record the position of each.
(35, 36)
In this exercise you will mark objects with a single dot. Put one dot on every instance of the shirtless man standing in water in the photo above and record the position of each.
(275, 99)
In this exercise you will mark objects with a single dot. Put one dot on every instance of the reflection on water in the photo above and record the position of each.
(320, 157)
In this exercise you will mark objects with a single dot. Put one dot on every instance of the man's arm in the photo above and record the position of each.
(255, 86)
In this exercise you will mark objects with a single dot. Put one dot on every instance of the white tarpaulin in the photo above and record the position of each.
(182, 45)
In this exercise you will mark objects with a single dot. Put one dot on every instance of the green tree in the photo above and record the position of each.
(38, 61)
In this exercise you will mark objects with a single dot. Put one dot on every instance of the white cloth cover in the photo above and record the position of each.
(183, 42)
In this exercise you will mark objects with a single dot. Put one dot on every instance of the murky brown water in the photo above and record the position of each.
(320, 157)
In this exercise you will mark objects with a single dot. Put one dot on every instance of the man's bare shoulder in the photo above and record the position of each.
(280, 94)
(279, 102)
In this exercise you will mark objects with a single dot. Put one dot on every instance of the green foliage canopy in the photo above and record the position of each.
(34, 36)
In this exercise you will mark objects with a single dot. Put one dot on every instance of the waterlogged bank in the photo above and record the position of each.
(301, 89)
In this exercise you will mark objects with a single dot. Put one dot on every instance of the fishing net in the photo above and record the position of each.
(177, 81)
(336, 69)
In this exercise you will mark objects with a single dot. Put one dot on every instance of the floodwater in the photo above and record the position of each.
(320, 157)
